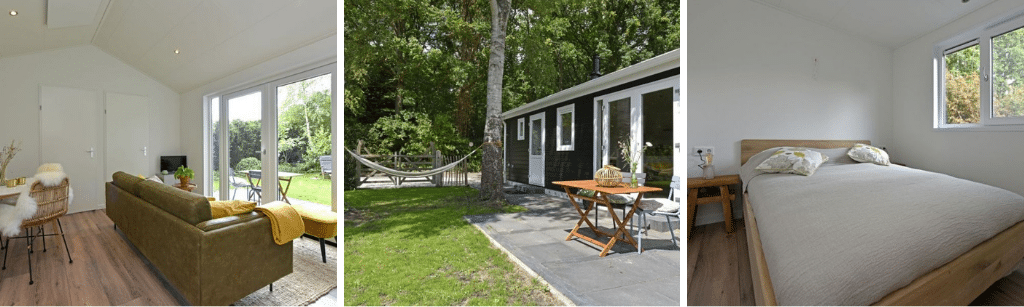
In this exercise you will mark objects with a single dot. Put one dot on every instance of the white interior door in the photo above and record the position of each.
(69, 132)
(127, 134)
(537, 149)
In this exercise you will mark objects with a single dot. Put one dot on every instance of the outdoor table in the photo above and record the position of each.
(281, 176)
(601, 197)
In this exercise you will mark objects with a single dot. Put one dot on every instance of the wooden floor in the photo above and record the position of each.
(718, 272)
(106, 269)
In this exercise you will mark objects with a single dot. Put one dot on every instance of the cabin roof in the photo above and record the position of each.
(636, 71)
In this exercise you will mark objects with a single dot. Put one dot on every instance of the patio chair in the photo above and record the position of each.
(257, 190)
(326, 167)
(668, 207)
(236, 183)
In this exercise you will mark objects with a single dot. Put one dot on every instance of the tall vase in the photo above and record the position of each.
(3, 172)
(633, 183)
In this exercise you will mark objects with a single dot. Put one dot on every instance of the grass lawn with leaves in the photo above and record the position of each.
(411, 246)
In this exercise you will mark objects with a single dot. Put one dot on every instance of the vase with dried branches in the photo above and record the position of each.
(632, 157)
(6, 155)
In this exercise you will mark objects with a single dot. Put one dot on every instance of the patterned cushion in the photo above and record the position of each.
(615, 199)
(793, 160)
(868, 153)
(660, 205)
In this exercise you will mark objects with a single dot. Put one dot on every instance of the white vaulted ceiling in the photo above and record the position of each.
(890, 23)
(214, 37)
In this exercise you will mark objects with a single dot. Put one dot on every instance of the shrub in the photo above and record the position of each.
(249, 163)
(351, 174)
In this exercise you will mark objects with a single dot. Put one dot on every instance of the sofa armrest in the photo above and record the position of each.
(239, 257)
(226, 221)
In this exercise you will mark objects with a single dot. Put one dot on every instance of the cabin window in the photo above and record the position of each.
(522, 127)
(565, 132)
(980, 78)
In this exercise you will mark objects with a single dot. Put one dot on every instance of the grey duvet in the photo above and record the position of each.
(852, 233)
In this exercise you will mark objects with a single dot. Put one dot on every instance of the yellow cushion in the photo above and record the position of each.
(219, 209)
(318, 223)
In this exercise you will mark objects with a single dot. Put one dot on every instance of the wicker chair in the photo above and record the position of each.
(52, 203)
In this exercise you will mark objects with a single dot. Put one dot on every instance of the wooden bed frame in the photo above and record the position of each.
(958, 282)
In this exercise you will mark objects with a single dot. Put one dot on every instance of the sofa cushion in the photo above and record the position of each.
(127, 182)
(192, 208)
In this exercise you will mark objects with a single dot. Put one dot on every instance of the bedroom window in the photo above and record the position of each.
(565, 135)
(521, 129)
(980, 77)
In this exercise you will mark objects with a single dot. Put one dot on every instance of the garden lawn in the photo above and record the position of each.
(308, 187)
(411, 246)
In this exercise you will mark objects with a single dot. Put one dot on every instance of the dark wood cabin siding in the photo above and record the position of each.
(517, 159)
(564, 165)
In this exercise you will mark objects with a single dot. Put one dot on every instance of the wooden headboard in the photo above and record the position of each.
(749, 148)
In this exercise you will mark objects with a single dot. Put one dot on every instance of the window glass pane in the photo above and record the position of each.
(619, 121)
(535, 137)
(244, 144)
(963, 98)
(566, 129)
(215, 145)
(1008, 74)
(657, 140)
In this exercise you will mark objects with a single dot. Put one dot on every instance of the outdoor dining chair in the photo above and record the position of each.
(256, 190)
(236, 183)
(668, 207)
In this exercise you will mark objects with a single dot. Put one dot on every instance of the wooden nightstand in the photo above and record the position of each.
(723, 196)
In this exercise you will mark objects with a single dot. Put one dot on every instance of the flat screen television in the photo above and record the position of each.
(171, 163)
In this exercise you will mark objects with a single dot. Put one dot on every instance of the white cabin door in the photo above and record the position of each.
(127, 125)
(69, 134)
(537, 149)
(678, 121)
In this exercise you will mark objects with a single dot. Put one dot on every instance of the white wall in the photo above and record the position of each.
(84, 67)
(192, 108)
(986, 157)
(752, 75)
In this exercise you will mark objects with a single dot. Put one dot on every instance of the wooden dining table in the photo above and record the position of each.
(601, 197)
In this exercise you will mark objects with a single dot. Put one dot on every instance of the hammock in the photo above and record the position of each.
(399, 173)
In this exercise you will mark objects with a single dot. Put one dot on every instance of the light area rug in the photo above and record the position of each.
(310, 278)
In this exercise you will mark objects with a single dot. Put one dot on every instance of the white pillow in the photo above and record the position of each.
(793, 160)
(868, 153)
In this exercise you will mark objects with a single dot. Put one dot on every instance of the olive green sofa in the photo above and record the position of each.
(209, 261)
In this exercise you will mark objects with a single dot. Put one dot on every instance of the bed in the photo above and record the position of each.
(859, 233)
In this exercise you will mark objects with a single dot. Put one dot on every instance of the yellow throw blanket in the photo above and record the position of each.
(285, 222)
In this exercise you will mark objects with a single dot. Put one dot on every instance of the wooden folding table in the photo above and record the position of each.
(601, 197)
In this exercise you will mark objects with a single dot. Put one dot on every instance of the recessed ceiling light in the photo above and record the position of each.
(176, 51)
(14, 13)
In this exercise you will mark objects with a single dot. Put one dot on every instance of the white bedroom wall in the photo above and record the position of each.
(986, 157)
(82, 67)
(752, 75)
(192, 109)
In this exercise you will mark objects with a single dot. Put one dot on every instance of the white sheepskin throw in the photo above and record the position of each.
(11, 216)
(51, 178)
(50, 167)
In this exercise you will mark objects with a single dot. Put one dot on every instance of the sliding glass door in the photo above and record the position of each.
(273, 141)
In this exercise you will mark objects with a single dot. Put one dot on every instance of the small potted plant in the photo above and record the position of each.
(184, 174)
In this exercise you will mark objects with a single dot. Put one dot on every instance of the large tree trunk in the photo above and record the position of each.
(491, 170)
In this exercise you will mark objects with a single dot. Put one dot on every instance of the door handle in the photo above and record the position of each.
(144, 152)
(92, 152)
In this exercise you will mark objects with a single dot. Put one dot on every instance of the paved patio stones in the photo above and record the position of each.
(624, 278)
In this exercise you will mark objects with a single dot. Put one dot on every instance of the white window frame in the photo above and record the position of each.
(982, 37)
(521, 123)
(559, 134)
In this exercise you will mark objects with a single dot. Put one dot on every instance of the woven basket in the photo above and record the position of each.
(52, 203)
(608, 176)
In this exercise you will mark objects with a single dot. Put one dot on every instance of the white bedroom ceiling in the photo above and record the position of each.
(181, 43)
(890, 23)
